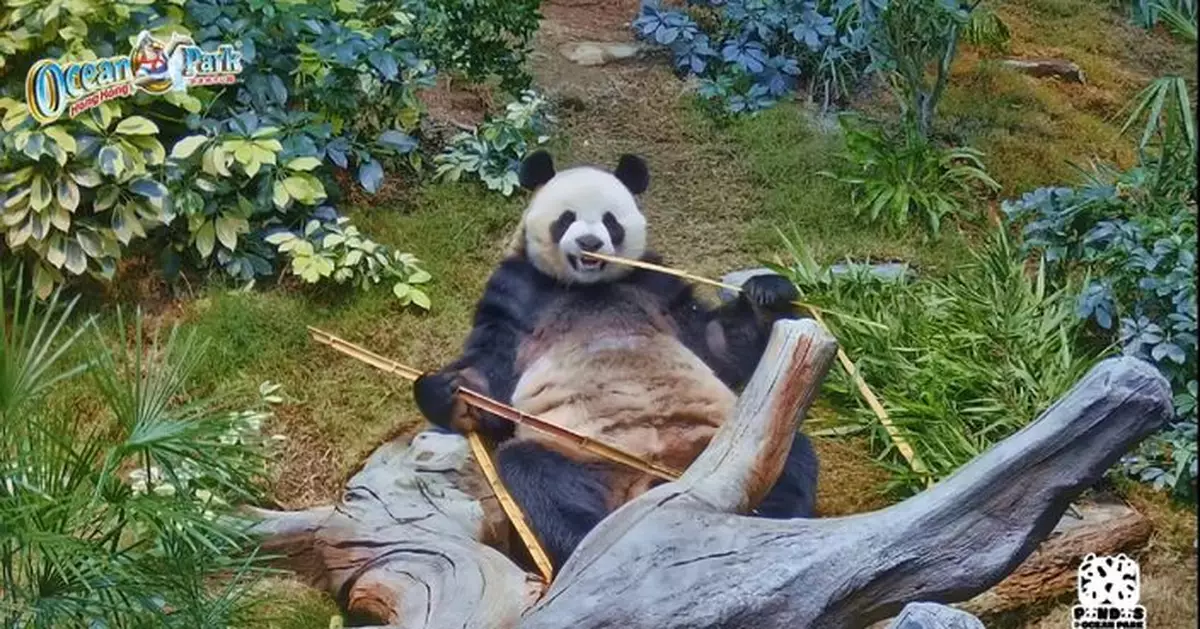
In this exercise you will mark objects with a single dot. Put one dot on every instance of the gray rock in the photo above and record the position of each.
(1059, 68)
(598, 53)
(934, 616)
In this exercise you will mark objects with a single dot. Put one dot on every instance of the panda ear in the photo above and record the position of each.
(633, 172)
(536, 169)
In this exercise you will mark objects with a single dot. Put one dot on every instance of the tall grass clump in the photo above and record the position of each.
(114, 507)
(965, 360)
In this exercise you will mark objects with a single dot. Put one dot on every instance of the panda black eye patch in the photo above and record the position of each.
(615, 230)
(560, 226)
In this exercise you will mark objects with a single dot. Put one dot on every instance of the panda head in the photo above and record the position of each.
(578, 210)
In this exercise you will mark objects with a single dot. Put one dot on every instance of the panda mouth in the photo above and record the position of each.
(585, 264)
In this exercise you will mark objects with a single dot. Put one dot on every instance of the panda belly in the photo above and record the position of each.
(637, 389)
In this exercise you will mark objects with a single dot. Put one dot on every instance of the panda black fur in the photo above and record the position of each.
(627, 356)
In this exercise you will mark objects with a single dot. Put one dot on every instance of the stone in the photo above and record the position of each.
(1059, 68)
(596, 53)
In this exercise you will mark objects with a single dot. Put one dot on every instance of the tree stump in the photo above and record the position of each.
(684, 555)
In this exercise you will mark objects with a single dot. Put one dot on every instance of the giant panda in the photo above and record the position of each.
(627, 356)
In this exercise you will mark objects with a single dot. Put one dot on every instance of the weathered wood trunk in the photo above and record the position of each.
(682, 555)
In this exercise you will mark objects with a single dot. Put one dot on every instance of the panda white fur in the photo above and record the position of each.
(624, 355)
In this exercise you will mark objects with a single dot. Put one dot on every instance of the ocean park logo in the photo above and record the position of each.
(53, 87)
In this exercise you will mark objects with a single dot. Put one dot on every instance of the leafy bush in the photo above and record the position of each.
(203, 177)
(750, 53)
(910, 37)
(964, 361)
(494, 151)
(1132, 235)
(901, 176)
(495, 43)
(118, 515)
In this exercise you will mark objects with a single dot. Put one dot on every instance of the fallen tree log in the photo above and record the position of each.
(1103, 528)
(682, 555)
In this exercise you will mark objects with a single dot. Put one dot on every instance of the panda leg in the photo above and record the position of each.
(562, 499)
(795, 493)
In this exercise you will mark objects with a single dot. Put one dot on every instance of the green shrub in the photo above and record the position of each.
(117, 514)
(910, 37)
(203, 178)
(494, 151)
(898, 177)
(1132, 236)
(964, 361)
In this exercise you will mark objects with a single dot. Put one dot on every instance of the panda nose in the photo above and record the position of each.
(589, 242)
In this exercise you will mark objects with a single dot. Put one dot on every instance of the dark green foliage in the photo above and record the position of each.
(907, 40)
(481, 38)
(1132, 235)
(202, 178)
(751, 53)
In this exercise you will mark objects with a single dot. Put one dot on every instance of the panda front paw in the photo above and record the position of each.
(771, 292)
(436, 395)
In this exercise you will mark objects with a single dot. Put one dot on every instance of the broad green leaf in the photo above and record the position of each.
(62, 137)
(184, 148)
(76, 260)
(420, 298)
(297, 187)
(304, 163)
(227, 231)
(280, 195)
(86, 177)
(136, 125)
(206, 239)
(332, 240)
(401, 290)
(55, 254)
(420, 276)
(279, 238)
(41, 194)
(43, 281)
(10, 180)
(17, 237)
(111, 160)
(61, 219)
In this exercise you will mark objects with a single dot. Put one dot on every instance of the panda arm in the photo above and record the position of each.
(503, 316)
(731, 338)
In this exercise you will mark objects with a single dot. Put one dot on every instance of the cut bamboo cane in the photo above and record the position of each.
(478, 449)
(511, 509)
(901, 444)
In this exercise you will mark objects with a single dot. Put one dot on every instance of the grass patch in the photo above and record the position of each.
(336, 409)
(783, 149)
(1033, 129)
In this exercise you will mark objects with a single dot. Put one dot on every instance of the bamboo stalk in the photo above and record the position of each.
(511, 509)
(485, 403)
(901, 444)
(478, 449)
